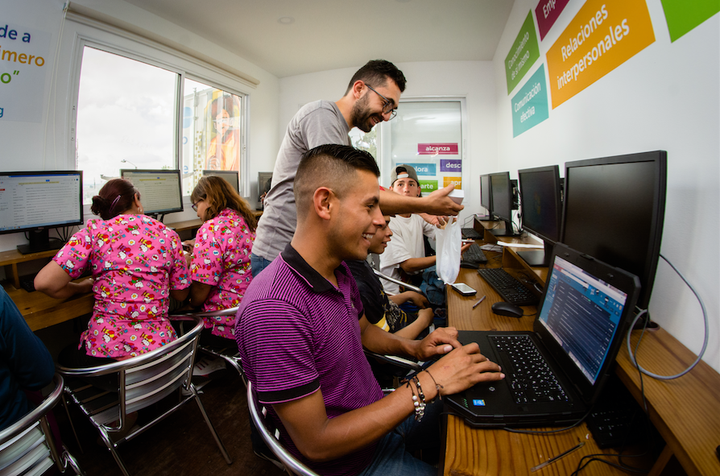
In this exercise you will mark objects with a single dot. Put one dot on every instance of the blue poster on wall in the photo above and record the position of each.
(530, 104)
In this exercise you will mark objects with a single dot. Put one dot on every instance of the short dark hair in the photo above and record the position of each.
(376, 72)
(329, 165)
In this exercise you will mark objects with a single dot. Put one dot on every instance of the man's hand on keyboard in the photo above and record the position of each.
(462, 368)
(465, 247)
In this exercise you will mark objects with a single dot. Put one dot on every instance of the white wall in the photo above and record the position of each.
(45, 144)
(472, 80)
(666, 97)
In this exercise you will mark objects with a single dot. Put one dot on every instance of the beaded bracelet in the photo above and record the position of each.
(419, 405)
(437, 387)
(419, 388)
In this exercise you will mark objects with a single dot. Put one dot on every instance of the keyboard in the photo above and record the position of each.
(473, 257)
(28, 282)
(509, 288)
(471, 234)
(530, 378)
(616, 419)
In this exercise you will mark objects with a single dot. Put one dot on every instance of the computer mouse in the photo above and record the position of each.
(507, 309)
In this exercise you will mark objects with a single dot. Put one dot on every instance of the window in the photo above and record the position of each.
(212, 125)
(427, 134)
(130, 116)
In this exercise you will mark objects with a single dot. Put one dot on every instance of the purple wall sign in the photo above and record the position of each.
(546, 13)
(438, 149)
(450, 165)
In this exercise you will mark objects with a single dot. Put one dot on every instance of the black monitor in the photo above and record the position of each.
(541, 210)
(614, 211)
(160, 190)
(264, 184)
(34, 202)
(502, 202)
(486, 196)
(232, 176)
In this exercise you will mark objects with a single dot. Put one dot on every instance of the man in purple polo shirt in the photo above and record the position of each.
(301, 330)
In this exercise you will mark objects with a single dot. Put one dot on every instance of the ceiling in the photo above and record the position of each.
(321, 35)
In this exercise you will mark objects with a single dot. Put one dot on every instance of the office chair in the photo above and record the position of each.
(141, 382)
(28, 448)
(271, 436)
(230, 353)
(402, 284)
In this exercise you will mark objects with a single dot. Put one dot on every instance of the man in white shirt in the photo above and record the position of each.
(405, 253)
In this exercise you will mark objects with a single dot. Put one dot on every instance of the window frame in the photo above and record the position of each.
(131, 46)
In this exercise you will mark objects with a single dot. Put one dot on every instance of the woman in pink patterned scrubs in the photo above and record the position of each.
(137, 263)
(220, 262)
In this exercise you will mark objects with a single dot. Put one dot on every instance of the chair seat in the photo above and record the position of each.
(27, 447)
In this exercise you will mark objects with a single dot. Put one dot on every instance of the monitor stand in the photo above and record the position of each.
(40, 241)
(507, 231)
(484, 218)
(538, 258)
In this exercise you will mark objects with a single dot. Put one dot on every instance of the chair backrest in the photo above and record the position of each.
(403, 284)
(27, 447)
(150, 377)
(271, 436)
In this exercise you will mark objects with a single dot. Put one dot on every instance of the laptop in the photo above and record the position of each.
(582, 319)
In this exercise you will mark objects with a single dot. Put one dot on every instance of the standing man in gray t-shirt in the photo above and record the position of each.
(371, 97)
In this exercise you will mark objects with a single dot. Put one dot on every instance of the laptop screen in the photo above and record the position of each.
(582, 313)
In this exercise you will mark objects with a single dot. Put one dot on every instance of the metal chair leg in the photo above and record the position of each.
(211, 427)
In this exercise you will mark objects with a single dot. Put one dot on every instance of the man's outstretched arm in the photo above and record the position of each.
(437, 203)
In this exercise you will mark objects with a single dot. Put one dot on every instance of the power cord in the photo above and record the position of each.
(644, 311)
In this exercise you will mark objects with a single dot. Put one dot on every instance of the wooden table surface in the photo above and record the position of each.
(685, 411)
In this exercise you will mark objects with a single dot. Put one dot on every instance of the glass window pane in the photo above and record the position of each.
(212, 132)
(125, 118)
(428, 136)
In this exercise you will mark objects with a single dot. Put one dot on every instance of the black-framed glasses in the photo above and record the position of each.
(387, 103)
(194, 205)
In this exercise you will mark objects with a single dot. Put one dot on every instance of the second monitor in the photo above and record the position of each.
(502, 202)
(231, 176)
(160, 190)
(541, 210)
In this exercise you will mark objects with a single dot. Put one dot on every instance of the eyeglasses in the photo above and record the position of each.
(194, 205)
(387, 104)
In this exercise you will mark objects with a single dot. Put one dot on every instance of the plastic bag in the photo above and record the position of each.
(449, 242)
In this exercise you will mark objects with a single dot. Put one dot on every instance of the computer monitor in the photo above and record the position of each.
(486, 195)
(160, 190)
(232, 176)
(34, 202)
(502, 202)
(264, 184)
(614, 211)
(541, 210)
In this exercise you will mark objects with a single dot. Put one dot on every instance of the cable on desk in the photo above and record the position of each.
(620, 466)
(644, 311)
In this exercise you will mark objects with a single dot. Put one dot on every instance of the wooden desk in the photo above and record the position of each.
(38, 309)
(684, 411)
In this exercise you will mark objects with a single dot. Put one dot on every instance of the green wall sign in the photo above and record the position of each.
(523, 54)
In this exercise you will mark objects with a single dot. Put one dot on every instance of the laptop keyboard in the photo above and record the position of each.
(509, 288)
(530, 378)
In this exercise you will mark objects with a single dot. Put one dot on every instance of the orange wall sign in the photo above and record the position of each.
(602, 36)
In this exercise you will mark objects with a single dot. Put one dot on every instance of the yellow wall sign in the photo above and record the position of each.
(454, 180)
(602, 36)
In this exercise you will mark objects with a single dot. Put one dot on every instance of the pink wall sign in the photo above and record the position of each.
(438, 149)
(546, 13)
